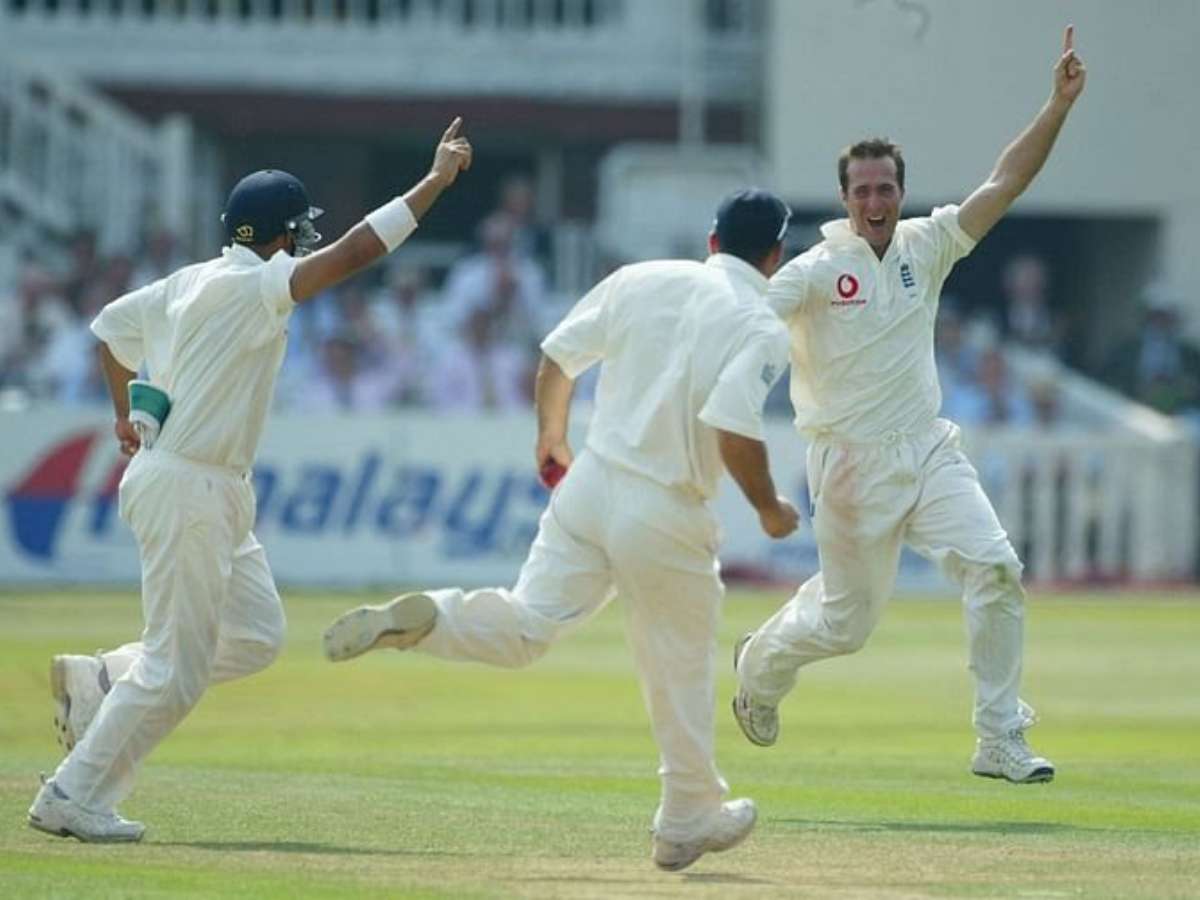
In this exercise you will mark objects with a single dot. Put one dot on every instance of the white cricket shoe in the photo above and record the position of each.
(399, 624)
(725, 828)
(1010, 757)
(55, 813)
(75, 686)
(759, 721)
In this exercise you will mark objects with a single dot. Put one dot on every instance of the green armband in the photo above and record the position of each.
(149, 407)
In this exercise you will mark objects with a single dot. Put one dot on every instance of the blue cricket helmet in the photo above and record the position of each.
(266, 204)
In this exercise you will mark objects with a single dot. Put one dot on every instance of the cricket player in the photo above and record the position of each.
(883, 469)
(688, 352)
(212, 336)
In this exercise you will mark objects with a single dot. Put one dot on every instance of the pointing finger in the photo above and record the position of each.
(452, 132)
(1069, 39)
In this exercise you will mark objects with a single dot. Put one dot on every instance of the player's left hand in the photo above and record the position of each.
(1069, 72)
(453, 154)
(127, 436)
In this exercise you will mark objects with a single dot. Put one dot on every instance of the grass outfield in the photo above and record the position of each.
(398, 775)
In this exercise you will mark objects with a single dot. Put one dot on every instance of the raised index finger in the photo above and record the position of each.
(452, 131)
(1069, 39)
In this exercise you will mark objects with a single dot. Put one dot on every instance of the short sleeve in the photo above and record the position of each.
(948, 243)
(736, 401)
(579, 341)
(960, 243)
(121, 325)
(788, 291)
(276, 285)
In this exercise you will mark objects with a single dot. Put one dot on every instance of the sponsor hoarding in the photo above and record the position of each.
(388, 500)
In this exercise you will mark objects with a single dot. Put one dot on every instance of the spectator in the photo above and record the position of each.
(1028, 319)
(345, 384)
(1157, 367)
(518, 202)
(160, 257)
(498, 277)
(481, 370)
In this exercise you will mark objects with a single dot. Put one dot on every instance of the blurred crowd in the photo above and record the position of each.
(464, 337)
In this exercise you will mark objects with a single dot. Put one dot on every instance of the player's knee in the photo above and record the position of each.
(995, 583)
(529, 651)
(849, 637)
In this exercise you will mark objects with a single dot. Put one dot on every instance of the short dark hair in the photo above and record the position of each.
(871, 148)
(750, 223)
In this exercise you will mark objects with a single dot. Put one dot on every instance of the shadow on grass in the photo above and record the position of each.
(295, 847)
(935, 827)
(651, 875)
(723, 878)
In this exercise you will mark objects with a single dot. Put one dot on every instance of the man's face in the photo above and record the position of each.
(872, 199)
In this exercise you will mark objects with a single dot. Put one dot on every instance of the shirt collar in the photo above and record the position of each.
(739, 267)
(839, 231)
(240, 254)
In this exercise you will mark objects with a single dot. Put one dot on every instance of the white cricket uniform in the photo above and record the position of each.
(685, 348)
(212, 336)
(883, 470)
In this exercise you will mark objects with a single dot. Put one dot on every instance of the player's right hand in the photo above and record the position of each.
(453, 154)
(779, 520)
(127, 436)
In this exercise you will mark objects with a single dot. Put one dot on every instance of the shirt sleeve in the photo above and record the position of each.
(277, 284)
(788, 291)
(736, 401)
(580, 340)
(950, 242)
(275, 293)
(121, 325)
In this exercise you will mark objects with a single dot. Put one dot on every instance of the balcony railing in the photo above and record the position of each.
(646, 49)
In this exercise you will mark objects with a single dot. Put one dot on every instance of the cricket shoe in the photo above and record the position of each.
(399, 624)
(55, 813)
(725, 828)
(1010, 757)
(759, 721)
(78, 693)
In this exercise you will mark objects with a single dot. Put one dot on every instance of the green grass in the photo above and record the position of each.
(400, 775)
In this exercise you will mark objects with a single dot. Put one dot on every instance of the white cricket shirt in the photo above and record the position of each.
(212, 336)
(685, 348)
(862, 327)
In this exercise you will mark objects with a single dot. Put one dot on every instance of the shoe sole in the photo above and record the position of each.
(737, 655)
(750, 736)
(398, 624)
(63, 732)
(37, 824)
(1037, 776)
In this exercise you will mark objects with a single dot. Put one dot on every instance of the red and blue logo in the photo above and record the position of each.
(38, 503)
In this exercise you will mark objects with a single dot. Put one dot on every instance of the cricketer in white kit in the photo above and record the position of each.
(883, 469)
(688, 352)
(212, 336)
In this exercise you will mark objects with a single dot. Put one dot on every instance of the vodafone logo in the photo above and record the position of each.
(847, 286)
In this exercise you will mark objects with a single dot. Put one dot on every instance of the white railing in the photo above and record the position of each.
(537, 48)
(1085, 505)
(71, 159)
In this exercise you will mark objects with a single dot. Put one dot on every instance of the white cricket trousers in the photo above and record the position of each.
(211, 612)
(607, 530)
(868, 500)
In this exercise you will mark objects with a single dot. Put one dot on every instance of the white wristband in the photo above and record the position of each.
(393, 222)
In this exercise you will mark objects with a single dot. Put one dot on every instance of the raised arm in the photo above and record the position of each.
(387, 227)
(1024, 157)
